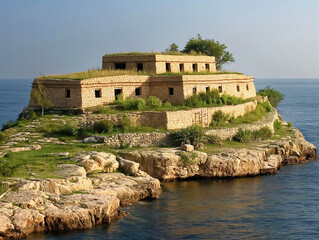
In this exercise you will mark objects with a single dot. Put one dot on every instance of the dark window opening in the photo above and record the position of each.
(171, 91)
(194, 90)
(195, 69)
(181, 67)
(220, 89)
(168, 67)
(140, 67)
(207, 67)
(68, 93)
(120, 66)
(247, 87)
(137, 91)
(117, 92)
(207, 89)
(238, 88)
(98, 93)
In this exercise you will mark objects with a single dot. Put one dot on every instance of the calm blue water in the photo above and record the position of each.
(14, 96)
(282, 206)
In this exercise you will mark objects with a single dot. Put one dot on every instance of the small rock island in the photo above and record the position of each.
(93, 141)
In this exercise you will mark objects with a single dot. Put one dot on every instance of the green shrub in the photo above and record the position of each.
(277, 125)
(167, 105)
(211, 98)
(261, 134)
(131, 104)
(102, 110)
(214, 139)
(9, 124)
(243, 136)
(289, 124)
(188, 158)
(153, 102)
(190, 135)
(219, 118)
(273, 95)
(84, 132)
(103, 126)
(124, 124)
(68, 129)
(32, 115)
(267, 106)
(3, 136)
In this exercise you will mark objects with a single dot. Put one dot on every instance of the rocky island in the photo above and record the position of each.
(83, 148)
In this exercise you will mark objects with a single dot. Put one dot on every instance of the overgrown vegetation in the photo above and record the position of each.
(56, 128)
(190, 135)
(219, 119)
(277, 125)
(188, 157)
(211, 99)
(273, 95)
(245, 136)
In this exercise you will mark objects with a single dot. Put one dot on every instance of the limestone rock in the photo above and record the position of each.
(94, 139)
(97, 162)
(27, 221)
(128, 166)
(69, 170)
(187, 147)
(26, 148)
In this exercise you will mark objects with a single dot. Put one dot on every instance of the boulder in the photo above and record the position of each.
(69, 170)
(97, 162)
(187, 147)
(94, 139)
(128, 166)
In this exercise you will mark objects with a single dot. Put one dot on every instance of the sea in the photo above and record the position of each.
(281, 206)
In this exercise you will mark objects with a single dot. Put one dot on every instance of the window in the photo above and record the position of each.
(238, 88)
(247, 87)
(220, 89)
(117, 92)
(181, 67)
(140, 67)
(67, 93)
(194, 90)
(195, 69)
(168, 67)
(171, 91)
(120, 66)
(207, 89)
(137, 91)
(207, 67)
(98, 93)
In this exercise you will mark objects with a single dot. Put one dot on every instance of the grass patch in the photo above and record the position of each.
(193, 53)
(220, 119)
(245, 136)
(188, 158)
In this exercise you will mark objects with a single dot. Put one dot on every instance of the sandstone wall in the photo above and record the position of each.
(83, 92)
(57, 93)
(156, 63)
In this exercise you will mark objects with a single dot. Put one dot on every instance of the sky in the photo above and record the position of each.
(268, 38)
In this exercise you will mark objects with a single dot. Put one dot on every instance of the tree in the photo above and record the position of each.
(273, 95)
(172, 48)
(40, 97)
(210, 47)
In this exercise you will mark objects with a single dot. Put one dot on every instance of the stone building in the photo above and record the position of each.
(160, 63)
(68, 93)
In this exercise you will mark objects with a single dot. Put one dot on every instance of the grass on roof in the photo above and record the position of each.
(193, 53)
(107, 73)
(93, 74)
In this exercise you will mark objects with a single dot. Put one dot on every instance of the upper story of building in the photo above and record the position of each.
(159, 63)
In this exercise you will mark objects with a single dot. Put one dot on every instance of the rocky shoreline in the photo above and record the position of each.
(91, 189)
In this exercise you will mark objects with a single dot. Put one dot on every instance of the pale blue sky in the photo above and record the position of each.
(268, 38)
